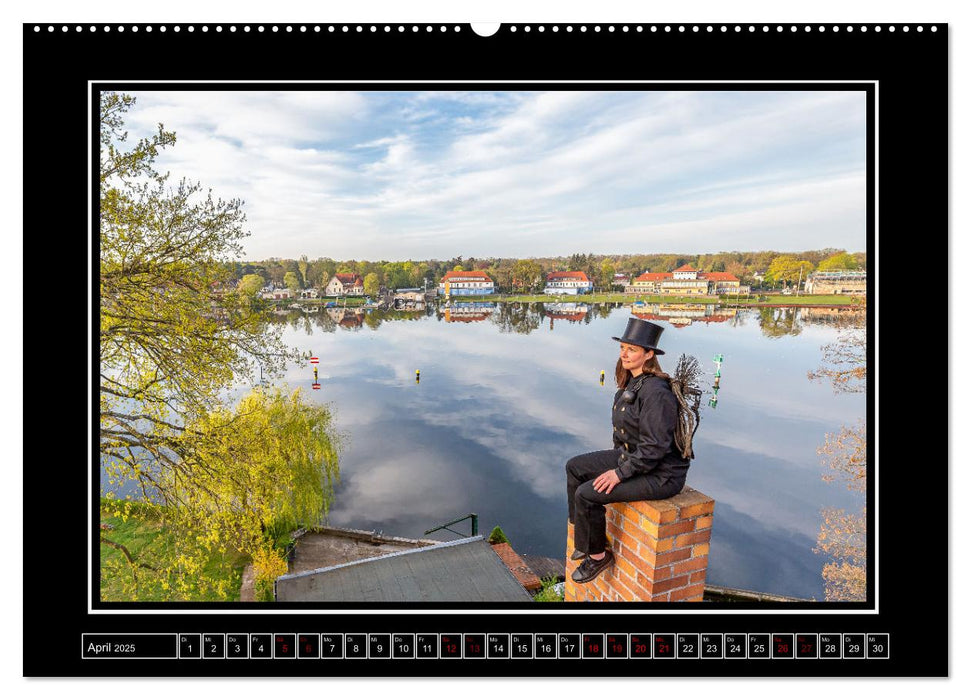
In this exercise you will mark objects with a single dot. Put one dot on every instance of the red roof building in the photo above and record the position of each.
(461, 283)
(685, 281)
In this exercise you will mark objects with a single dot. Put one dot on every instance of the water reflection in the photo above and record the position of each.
(525, 318)
(682, 315)
(501, 408)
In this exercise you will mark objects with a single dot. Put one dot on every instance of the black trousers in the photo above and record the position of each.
(587, 511)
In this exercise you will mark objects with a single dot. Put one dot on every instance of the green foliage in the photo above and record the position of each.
(171, 345)
(786, 269)
(291, 281)
(548, 593)
(497, 536)
(268, 565)
(840, 261)
(141, 530)
(250, 285)
(371, 284)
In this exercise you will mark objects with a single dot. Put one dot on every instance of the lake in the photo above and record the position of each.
(508, 393)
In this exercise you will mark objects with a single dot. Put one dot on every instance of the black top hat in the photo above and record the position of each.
(642, 333)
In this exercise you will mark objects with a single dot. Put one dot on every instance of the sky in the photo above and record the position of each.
(433, 175)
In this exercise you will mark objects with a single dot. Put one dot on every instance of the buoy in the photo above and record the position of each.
(315, 386)
(417, 376)
(601, 377)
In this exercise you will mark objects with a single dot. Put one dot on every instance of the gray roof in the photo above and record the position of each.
(461, 571)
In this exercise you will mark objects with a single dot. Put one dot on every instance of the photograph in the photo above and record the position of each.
(484, 344)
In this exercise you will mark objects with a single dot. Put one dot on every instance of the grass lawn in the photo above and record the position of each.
(147, 540)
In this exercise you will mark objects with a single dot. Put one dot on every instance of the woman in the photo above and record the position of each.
(645, 464)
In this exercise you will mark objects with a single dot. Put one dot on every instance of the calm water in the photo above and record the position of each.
(509, 393)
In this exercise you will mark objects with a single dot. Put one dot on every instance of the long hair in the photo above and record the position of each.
(652, 366)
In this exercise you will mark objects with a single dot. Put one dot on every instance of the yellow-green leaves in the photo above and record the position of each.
(175, 339)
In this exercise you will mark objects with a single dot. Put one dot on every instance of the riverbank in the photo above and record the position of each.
(754, 300)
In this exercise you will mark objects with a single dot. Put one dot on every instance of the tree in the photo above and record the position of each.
(303, 265)
(840, 261)
(787, 269)
(170, 348)
(371, 284)
(606, 276)
(291, 281)
(526, 273)
(250, 285)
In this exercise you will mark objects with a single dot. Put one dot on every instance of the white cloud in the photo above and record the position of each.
(400, 175)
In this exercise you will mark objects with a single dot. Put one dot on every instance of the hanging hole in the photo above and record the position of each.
(486, 28)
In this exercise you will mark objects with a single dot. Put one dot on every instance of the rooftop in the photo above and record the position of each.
(466, 570)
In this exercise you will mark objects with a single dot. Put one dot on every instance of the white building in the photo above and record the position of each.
(567, 283)
(458, 283)
(341, 285)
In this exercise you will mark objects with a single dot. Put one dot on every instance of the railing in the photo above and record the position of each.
(475, 526)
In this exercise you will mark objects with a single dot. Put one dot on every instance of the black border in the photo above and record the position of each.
(910, 71)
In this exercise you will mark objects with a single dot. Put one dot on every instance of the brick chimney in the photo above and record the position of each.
(660, 550)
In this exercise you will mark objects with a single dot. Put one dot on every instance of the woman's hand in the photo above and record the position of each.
(605, 482)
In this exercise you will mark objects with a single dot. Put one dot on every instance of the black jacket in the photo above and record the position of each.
(644, 431)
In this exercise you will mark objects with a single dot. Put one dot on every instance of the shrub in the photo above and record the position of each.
(549, 593)
(268, 565)
(497, 536)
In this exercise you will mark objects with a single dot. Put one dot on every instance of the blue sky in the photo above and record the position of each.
(419, 175)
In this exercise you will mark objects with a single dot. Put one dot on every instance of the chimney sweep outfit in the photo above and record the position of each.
(645, 456)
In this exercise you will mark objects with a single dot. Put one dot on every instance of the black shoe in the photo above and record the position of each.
(577, 555)
(591, 569)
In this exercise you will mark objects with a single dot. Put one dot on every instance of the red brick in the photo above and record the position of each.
(700, 550)
(665, 545)
(628, 541)
(698, 563)
(693, 538)
(641, 592)
(676, 528)
(659, 574)
(672, 557)
(623, 591)
(626, 579)
(637, 562)
(529, 580)
(703, 508)
(698, 576)
(647, 527)
(671, 583)
(659, 512)
(702, 523)
(624, 565)
(688, 592)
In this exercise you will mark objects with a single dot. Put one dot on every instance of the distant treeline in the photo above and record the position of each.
(529, 274)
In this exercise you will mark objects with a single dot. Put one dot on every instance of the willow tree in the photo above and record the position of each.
(222, 471)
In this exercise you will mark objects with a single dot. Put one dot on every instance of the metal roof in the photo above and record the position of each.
(461, 571)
